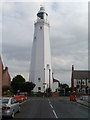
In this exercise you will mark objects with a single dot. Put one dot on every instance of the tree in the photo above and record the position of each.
(28, 86)
(67, 91)
(48, 90)
(17, 83)
(18, 78)
(64, 86)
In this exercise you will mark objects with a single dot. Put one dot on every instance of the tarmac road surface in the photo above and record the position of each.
(61, 107)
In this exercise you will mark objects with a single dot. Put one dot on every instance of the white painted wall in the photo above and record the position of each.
(55, 86)
(41, 55)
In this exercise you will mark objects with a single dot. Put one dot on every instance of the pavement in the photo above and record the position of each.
(85, 102)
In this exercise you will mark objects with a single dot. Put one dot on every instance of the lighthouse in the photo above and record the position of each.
(41, 68)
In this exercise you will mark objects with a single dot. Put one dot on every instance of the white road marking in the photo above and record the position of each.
(53, 109)
(55, 114)
(51, 106)
(49, 102)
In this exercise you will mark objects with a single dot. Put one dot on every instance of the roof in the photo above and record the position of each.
(42, 10)
(81, 74)
(54, 80)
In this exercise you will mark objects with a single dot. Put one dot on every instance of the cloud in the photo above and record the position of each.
(44, 1)
(0, 28)
(68, 36)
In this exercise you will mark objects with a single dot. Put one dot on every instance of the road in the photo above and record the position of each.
(51, 108)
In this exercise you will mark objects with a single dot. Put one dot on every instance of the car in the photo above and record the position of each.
(10, 107)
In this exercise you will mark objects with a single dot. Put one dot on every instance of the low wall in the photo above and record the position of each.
(55, 94)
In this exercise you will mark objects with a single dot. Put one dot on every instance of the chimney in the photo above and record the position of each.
(72, 79)
(6, 68)
(72, 67)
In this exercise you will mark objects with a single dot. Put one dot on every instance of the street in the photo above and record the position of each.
(37, 107)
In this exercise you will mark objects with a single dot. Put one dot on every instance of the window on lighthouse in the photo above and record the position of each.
(40, 27)
(39, 79)
(41, 15)
(35, 38)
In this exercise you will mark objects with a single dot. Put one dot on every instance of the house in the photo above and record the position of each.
(6, 81)
(56, 85)
(1, 67)
(80, 81)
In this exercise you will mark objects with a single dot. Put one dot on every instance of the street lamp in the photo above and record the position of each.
(44, 87)
(44, 74)
(49, 78)
(48, 67)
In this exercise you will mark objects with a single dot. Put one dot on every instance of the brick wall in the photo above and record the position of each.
(55, 94)
(6, 78)
(1, 67)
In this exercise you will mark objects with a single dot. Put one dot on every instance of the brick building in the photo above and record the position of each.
(6, 78)
(1, 68)
(80, 81)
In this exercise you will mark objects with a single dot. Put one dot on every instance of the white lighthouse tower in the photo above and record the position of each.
(41, 69)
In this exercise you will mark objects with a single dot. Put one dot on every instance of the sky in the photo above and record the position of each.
(68, 36)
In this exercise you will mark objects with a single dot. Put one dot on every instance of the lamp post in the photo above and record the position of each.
(52, 75)
(44, 81)
(49, 78)
(44, 88)
(44, 75)
(48, 68)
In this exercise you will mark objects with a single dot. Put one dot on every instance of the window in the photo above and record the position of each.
(39, 79)
(83, 91)
(39, 88)
(5, 101)
(34, 37)
(83, 82)
(88, 81)
(12, 101)
(79, 82)
(40, 27)
(41, 15)
(77, 86)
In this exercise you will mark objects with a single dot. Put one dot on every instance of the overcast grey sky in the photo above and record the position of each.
(68, 36)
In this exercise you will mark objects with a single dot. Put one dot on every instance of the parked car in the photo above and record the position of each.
(10, 107)
(19, 98)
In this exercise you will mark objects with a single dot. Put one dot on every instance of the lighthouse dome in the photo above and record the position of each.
(42, 8)
(42, 13)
